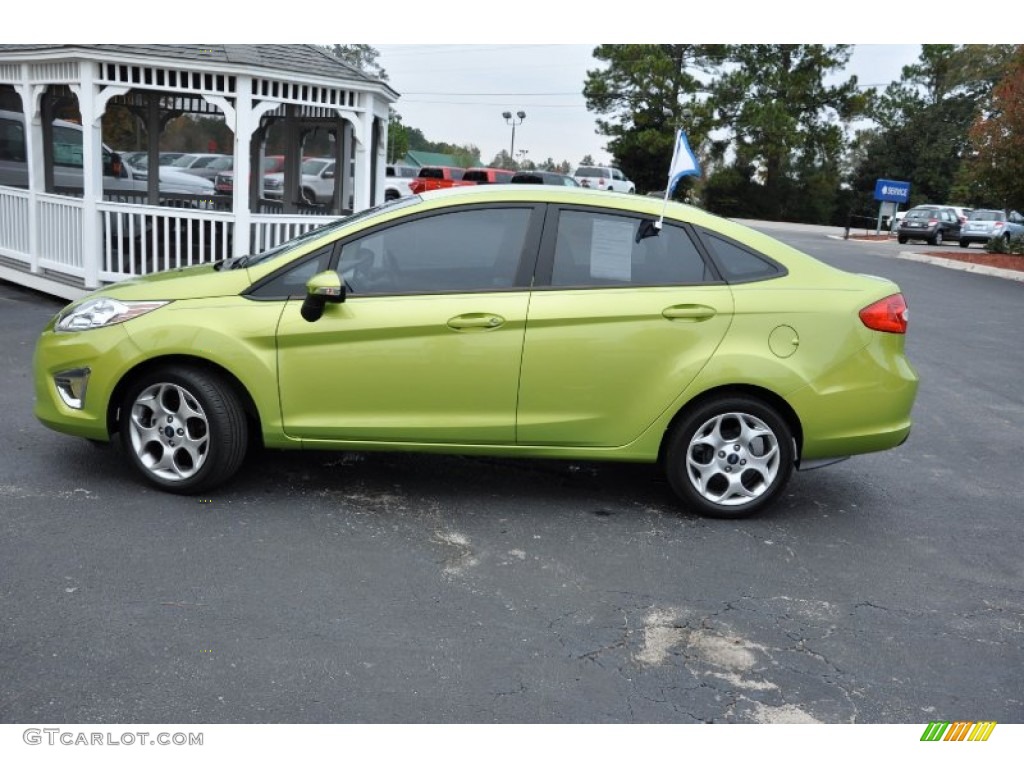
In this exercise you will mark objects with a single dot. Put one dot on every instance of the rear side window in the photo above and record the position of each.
(592, 173)
(738, 264)
(597, 249)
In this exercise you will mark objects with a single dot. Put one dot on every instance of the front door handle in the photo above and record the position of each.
(476, 321)
(695, 312)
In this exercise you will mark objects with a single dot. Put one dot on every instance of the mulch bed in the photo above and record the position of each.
(999, 260)
(970, 255)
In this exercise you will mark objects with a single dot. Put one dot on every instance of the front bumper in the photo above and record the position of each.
(68, 401)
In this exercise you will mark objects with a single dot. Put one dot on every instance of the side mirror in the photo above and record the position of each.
(320, 289)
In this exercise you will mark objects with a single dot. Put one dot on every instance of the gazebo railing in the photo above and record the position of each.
(135, 238)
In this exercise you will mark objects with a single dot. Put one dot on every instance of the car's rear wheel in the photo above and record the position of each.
(730, 457)
(964, 244)
(937, 238)
(184, 430)
(901, 239)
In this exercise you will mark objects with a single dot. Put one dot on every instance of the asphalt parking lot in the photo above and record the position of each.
(406, 589)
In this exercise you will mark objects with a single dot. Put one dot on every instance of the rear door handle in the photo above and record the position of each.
(476, 321)
(695, 312)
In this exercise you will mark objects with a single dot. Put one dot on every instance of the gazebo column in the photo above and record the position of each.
(244, 118)
(92, 174)
(31, 95)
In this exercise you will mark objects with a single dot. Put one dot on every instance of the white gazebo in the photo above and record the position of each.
(68, 238)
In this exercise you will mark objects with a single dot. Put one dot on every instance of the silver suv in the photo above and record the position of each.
(603, 177)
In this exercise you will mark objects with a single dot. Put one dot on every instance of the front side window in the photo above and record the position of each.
(597, 249)
(292, 281)
(461, 251)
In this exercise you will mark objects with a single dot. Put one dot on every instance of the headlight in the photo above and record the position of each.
(98, 313)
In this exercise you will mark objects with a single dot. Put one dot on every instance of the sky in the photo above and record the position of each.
(458, 92)
(459, 64)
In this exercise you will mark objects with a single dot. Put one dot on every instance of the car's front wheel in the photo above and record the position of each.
(937, 238)
(964, 244)
(901, 239)
(730, 457)
(184, 430)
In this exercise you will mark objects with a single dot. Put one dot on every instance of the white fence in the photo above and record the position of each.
(14, 224)
(135, 239)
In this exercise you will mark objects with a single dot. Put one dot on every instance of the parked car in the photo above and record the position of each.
(730, 359)
(961, 212)
(984, 225)
(433, 177)
(316, 186)
(604, 178)
(172, 181)
(224, 181)
(932, 223)
(119, 175)
(397, 179)
(543, 177)
(203, 165)
(488, 175)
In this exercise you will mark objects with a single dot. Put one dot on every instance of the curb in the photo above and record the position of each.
(963, 266)
(938, 261)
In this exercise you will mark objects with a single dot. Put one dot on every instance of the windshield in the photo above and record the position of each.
(185, 161)
(590, 173)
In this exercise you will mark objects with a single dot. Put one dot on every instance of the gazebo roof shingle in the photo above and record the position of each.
(305, 59)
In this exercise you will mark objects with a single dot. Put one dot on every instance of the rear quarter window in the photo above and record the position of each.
(739, 264)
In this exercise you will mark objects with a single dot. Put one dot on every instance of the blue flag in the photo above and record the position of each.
(684, 162)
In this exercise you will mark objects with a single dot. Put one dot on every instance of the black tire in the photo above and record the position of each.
(936, 238)
(308, 196)
(202, 436)
(964, 244)
(707, 448)
(901, 239)
(391, 194)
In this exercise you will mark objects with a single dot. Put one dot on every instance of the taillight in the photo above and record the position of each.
(932, 222)
(889, 315)
(997, 225)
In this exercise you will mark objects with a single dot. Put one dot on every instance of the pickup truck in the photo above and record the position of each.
(397, 181)
(442, 177)
(438, 177)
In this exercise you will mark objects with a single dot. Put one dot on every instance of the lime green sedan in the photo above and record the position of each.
(518, 321)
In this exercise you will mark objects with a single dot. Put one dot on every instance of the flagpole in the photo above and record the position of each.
(668, 186)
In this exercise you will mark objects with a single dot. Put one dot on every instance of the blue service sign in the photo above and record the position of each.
(891, 191)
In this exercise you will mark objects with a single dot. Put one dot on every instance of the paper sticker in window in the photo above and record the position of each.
(611, 250)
